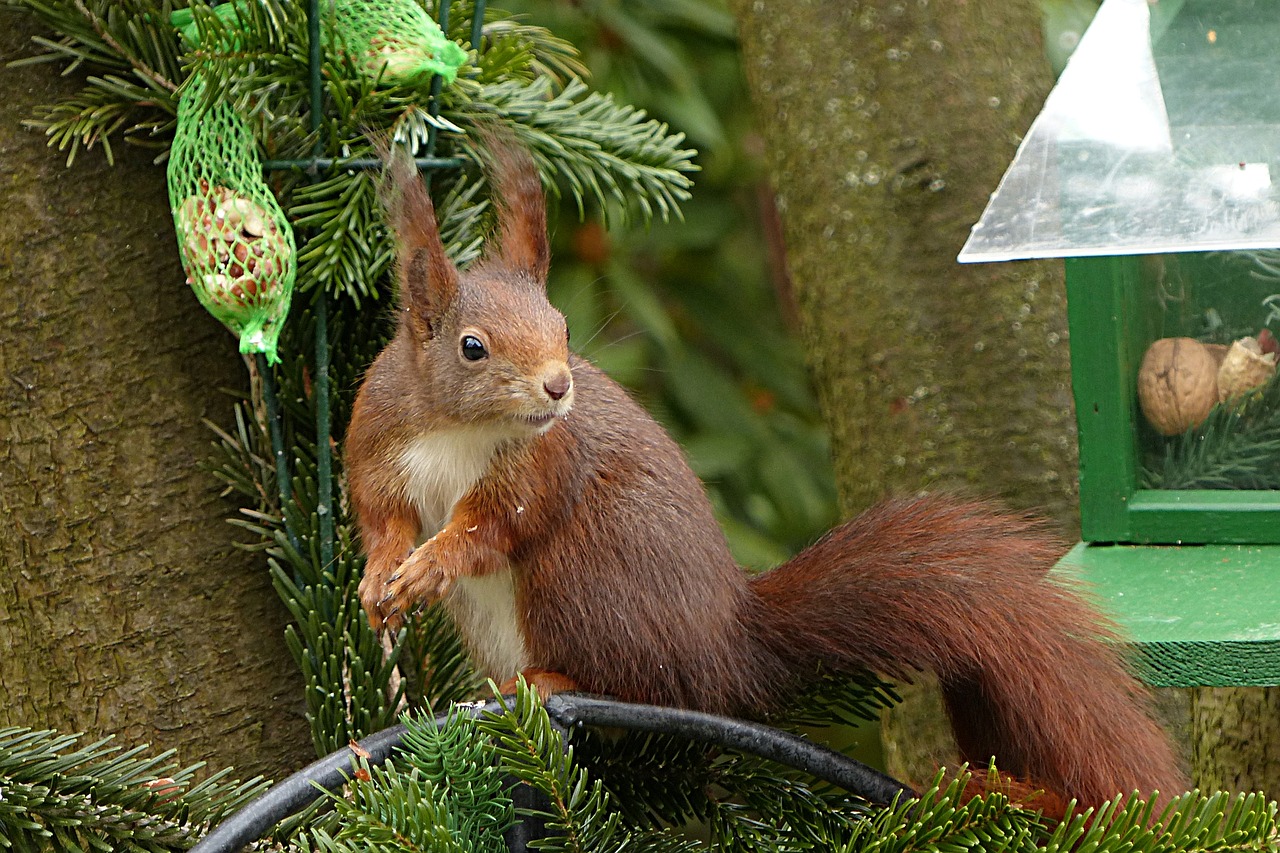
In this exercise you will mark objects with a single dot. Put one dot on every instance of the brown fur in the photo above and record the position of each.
(624, 585)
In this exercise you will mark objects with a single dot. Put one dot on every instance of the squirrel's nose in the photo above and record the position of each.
(557, 386)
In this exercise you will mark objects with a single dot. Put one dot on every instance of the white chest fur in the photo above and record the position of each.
(439, 468)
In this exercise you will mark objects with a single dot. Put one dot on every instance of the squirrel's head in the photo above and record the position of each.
(490, 348)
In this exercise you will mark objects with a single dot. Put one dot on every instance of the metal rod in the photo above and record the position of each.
(275, 428)
(324, 424)
(314, 58)
(437, 82)
(477, 25)
(324, 164)
(324, 430)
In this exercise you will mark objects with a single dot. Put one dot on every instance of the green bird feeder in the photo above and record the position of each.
(1152, 171)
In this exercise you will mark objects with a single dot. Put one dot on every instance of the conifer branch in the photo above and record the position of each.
(142, 69)
(56, 794)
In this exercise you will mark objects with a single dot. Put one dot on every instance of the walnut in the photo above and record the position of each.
(1219, 353)
(1177, 384)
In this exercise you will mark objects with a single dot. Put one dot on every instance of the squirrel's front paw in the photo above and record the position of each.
(377, 569)
(419, 580)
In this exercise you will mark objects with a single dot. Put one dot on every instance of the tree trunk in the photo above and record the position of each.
(887, 126)
(1236, 743)
(124, 607)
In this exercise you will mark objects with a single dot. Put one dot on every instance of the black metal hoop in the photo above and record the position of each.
(569, 711)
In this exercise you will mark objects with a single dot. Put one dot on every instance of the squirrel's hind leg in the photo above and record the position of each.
(545, 681)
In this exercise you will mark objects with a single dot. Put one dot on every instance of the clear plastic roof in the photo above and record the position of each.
(1162, 135)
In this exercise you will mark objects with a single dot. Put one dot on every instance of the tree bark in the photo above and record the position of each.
(124, 607)
(1236, 743)
(887, 125)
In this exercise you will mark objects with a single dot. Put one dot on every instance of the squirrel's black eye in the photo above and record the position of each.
(473, 349)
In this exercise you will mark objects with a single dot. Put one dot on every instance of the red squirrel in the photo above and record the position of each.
(493, 469)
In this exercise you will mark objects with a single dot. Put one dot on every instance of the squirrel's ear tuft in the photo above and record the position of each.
(428, 280)
(521, 206)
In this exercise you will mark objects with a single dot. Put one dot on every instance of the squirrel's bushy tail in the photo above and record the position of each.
(961, 588)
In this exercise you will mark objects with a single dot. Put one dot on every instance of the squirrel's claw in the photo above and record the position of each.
(388, 595)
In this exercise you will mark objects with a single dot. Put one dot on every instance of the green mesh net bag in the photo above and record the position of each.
(236, 245)
(397, 39)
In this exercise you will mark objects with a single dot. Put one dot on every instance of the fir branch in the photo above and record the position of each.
(841, 700)
(130, 38)
(119, 39)
(258, 60)
(807, 815)
(776, 808)
(527, 743)
(458, 760)
(610, 154)
(138, 66)
(747, 802)
(657, 780)
(85, 121)
(516, 49)
(339, 653)
(241, 460)
(347, 249)
(942, 819)
(79, 42)
(341, 659)
(583, 817)
(390, 810)
(440, 671)
(58, 795)
(1194, 822)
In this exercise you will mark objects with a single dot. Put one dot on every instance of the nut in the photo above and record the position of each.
(1218, 351)
(250, 217)
(244, 289)
(1177, 384)
(1244, 368)
(240, 214)
(227, 235)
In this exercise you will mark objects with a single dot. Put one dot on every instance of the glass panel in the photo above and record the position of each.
(1209, 405)
(1162, 135)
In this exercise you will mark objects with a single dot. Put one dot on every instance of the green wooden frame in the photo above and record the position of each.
(1194, 615)
(1110, 329)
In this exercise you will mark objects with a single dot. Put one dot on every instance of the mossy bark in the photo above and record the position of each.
(1236, 745)
(888, 124)
(124, 607)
